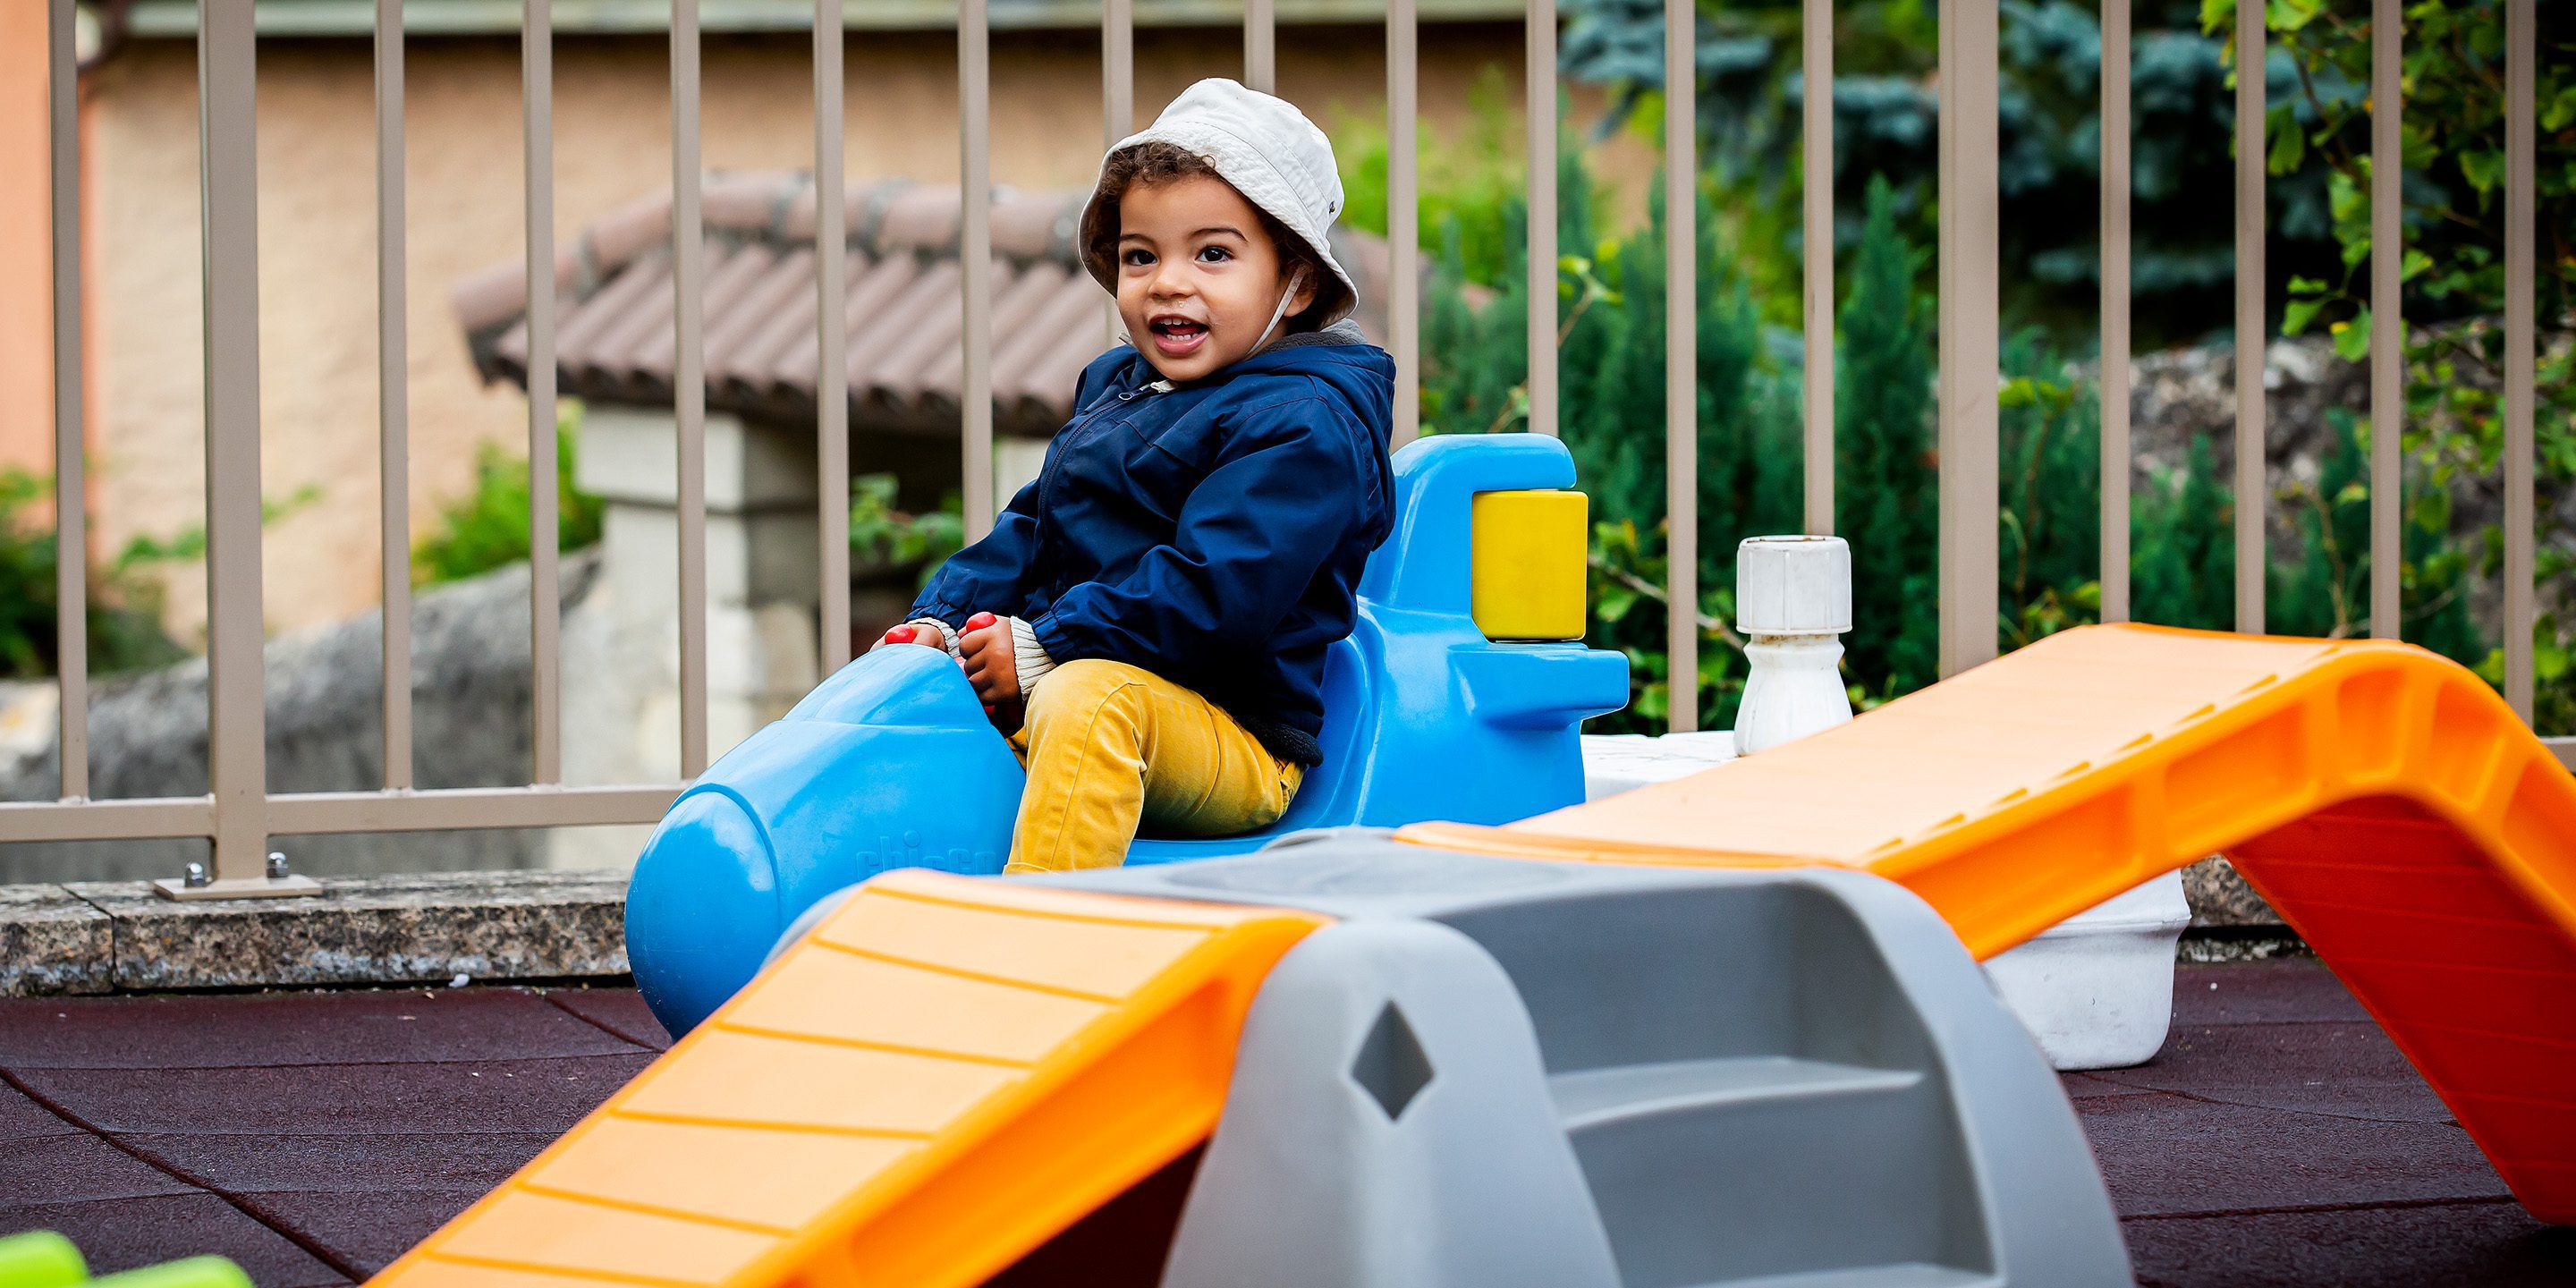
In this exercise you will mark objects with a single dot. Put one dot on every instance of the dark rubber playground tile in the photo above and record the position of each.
(2470, 1245)
(2296, 990)
(291, 1029)
(130, 1233)
(24, 1119)
(2346, 1070)
(2166, 1154)
(2079, 1086)
(465, 1162)
(504, 1095)
(77, 1168)
(619, 1010)
(365, 1230)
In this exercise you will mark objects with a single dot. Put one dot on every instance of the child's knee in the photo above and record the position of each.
(1083, 690)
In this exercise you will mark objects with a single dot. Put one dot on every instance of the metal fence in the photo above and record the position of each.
(240, 815)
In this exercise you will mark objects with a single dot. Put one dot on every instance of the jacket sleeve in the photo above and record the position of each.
(991, 576)
(996, 574)
(1290, 489)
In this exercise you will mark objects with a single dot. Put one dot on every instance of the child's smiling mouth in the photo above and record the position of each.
(1178, 337)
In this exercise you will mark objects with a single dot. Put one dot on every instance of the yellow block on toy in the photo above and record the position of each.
(1528, 564)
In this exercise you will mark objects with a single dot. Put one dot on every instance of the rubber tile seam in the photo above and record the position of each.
(2308, 1209)
(577, 1013)
(312, 1248)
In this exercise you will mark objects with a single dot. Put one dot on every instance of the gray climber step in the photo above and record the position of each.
(1597, 1097)
(1873, 1277)
(1494, 1073)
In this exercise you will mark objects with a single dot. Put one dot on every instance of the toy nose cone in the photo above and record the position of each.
(692, 940)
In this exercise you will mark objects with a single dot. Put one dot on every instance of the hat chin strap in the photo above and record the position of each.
(1294, 278)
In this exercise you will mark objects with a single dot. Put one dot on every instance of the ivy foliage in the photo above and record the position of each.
(122, 600)
(487, 527)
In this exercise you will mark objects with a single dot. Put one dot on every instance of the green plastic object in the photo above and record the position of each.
(40, 1259)
(193, 1272)
(44, 1259)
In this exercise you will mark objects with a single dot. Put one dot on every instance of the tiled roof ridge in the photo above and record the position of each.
(902, 302)
(778, 206)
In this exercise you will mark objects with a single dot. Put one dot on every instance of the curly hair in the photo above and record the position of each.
(1155, 163)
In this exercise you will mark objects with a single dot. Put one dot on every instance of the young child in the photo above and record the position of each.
(1148, 620)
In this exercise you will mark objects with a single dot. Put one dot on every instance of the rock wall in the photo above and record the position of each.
(470, 728)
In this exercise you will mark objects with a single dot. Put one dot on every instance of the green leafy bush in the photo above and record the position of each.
(884, 539)
(487, 528)
(1610, 353)
(123, 608)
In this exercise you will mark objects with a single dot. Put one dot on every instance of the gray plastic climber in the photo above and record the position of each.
(1494, 1072)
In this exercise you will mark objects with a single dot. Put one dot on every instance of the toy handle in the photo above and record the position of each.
(1427, 563)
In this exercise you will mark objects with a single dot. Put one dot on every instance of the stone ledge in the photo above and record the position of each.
(52, 941)
(116, 936)
(2220, 900)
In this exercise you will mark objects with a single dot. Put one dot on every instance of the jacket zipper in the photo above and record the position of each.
(1047, 472)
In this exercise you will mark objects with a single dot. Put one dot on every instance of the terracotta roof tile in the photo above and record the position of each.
(613, 333)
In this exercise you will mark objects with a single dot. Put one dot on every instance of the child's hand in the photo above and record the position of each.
(911, 635)
(985, 648)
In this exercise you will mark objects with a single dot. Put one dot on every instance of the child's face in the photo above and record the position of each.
(1198, 277)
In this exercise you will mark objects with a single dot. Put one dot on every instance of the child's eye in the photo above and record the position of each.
(1136, 258)
(1220, 253)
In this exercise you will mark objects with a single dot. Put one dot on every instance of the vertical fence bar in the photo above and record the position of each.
(831, 303)
(393, 396)
(2521, 171)
(1117, 69)
(1971, 249)
(975, 253)
(2387, 321)
(1816, 73)
(1681, 361)
(1404, 213)
(689, 381)
(228, 161)
(2252, 492)
(71, 514)
(1540, 40)
(537, 94)
(1118, 99)
(1261, 45)
(2115, 310)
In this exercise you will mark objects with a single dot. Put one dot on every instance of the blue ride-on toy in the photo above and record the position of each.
(891, 763)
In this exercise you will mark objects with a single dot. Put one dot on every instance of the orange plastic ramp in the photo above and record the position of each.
(2384, 800)
(939, 1078)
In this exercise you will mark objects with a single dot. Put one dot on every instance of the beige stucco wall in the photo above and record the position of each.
(317, 239)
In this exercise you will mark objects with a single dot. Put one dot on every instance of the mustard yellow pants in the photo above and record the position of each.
(1111, 746)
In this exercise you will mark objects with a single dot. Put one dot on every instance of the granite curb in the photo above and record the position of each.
(119, 936)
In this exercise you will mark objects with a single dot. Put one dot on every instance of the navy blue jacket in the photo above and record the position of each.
(1212, 533)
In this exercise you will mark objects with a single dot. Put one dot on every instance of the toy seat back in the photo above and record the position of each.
(1399, 745)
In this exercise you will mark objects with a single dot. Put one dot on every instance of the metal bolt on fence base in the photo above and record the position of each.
(275, 883)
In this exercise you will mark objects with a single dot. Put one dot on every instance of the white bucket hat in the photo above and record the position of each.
(1270, 152)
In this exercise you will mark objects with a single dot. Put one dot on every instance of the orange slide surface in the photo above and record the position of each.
(2384, 801)
(945, 1074)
